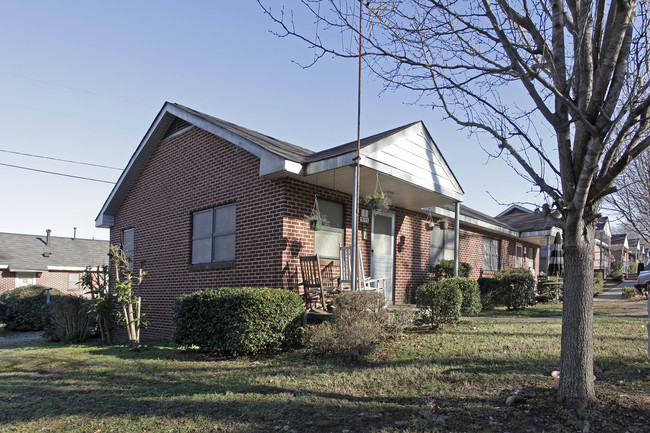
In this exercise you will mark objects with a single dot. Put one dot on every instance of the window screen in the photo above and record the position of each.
(128, 243)
(328, 239)
(213, 234)
(442, 245)
(490, 254)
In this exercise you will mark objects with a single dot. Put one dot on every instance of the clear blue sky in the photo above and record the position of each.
(84, 80)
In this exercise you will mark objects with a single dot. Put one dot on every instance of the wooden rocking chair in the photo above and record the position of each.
(314, 285)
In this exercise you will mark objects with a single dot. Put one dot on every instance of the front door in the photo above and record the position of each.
(383, 249)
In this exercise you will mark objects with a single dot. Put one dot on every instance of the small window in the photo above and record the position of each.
(25, 279)
(128, 243)
(213, 234)
(331, 236)
(442, 245)
(73, 282)
(490, 254)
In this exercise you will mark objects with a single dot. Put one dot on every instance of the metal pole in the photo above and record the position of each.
(357, 168)
(456, 237)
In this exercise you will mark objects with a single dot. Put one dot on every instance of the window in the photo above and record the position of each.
(128, 243)
(442, 245)
(73, 282)
(490, 254)
(213, 234)
(25, 279)
(519, 256)
(331, 235)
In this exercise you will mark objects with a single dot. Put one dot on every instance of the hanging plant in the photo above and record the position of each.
(444, 224)
(315, 218)
(429, 224)
(378, 201)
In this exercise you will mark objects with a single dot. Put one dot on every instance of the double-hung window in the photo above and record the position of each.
(490, 254)
(213, 234)
(328, 240)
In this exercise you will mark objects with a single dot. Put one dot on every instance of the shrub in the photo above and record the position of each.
(616, 271)
(509, 271)
(632, 268)
(239, 321)
(356, 329)
(490, 289)
(398, 321)
(599, 283)
(360, 305)
(440, 302)
(445, 269)
(23, 308)
(629, 293)
(518, 290)
(471, 305)
(348, 340)
(68, 319)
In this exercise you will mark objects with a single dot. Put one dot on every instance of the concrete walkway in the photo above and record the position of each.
(615, 294)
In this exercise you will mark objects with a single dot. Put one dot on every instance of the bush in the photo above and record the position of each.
(23, 308)
(616, 271)
(518, 290)
(471, 305)
(360, 305)
(440, 301)
(490, 289)
(629, 292)
(509, 271)
(67, 319)
(398, 321)
(239, 321)
(348, 340)
(445, 269)
(599, 283)
(632, 268)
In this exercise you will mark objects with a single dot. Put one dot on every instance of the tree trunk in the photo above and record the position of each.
(577, 366)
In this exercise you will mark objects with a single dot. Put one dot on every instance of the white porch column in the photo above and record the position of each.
(355, 228)
(456, 237)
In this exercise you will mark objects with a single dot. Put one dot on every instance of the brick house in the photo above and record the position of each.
(49, 261)
(211, 204)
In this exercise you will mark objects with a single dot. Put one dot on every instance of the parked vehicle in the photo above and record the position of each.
(643, 283)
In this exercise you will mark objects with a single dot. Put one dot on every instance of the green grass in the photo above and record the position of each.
(541, 310)
(456, 379)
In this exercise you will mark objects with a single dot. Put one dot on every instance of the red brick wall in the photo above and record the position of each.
(471, 250)
(197, 170)
(54, 279)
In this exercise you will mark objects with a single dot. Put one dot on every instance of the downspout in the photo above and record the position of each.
(456, 237)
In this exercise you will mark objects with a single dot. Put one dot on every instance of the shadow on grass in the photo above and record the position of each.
(168, 385)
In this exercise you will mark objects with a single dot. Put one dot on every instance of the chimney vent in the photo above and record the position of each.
(74, 236)
(47, 241)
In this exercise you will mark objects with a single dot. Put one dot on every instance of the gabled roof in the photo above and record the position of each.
(407, 159)
(620, 240)
(31, 253)
(515, 209)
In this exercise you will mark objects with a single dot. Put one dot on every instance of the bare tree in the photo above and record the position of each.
(559, 87)
(632, 198)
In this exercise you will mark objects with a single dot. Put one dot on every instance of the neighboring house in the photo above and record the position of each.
(50, 261)
(533, 227)
(620, 250)
(211, 204)
(602, 248)
(634, 245)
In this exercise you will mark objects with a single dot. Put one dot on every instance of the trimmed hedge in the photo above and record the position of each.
(471, 305)
(518, 290)
(22, 309)
(441, 301)
(239, 321)
(445, 269)
(490, 289)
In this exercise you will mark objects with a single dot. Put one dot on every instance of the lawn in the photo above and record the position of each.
(453, 380)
